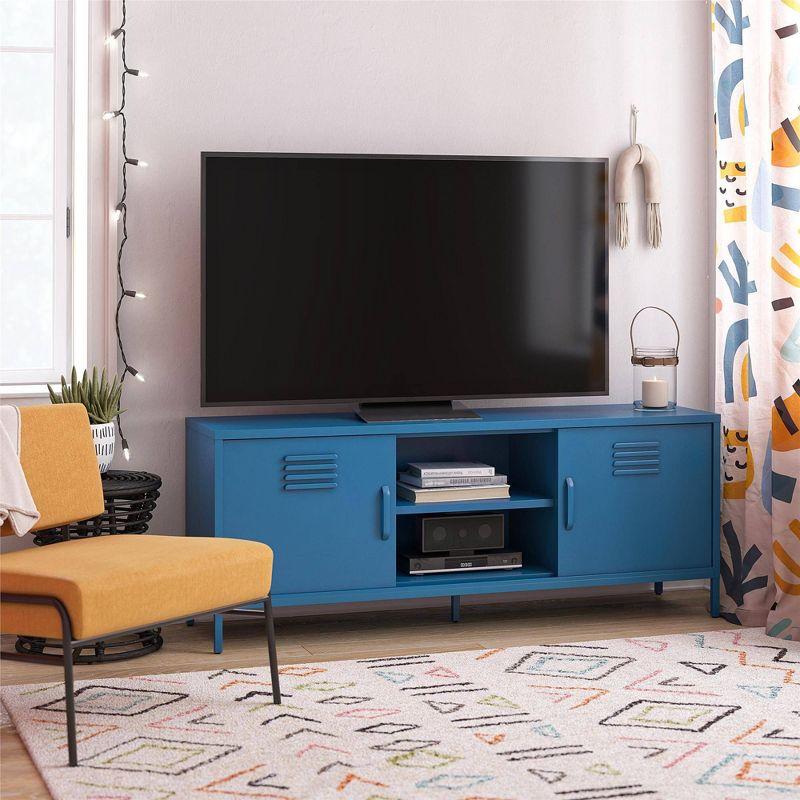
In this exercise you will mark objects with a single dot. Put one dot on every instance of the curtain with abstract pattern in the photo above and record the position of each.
(756, 73)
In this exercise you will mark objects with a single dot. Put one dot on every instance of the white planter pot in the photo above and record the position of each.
(104, 436)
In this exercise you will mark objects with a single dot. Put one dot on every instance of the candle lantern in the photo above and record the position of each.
(655, 371)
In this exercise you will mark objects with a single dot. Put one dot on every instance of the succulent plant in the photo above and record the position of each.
(100, 397)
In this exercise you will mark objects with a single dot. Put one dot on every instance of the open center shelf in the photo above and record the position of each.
(529, 463)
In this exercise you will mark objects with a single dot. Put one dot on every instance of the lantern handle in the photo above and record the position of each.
(663, 311)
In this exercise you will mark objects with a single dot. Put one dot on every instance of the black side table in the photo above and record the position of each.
(130, 499)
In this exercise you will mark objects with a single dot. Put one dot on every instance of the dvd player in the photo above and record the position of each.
(426, 564)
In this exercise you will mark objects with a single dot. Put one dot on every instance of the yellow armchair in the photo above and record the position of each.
(80, 591)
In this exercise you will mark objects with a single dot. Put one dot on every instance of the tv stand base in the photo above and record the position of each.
(414, 412)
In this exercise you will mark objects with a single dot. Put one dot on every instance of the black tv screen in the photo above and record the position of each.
(383, 278)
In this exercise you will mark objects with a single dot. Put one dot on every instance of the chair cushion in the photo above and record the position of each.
(110, 583)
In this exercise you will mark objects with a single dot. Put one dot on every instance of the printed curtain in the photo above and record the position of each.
(756, 74)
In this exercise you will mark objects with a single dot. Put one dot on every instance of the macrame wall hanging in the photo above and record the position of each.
(634, 156)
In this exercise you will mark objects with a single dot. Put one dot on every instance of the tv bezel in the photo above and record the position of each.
(205, 155)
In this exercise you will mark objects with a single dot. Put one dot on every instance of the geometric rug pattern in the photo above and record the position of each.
(704, 715)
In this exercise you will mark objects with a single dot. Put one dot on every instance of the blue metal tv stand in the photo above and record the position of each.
(601, 495)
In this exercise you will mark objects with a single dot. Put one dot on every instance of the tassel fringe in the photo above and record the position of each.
(622, 225)
(654, 235)
(654, 224)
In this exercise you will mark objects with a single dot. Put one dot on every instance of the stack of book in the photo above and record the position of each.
(451, 481)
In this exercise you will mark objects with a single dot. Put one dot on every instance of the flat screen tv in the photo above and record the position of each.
(381, 279)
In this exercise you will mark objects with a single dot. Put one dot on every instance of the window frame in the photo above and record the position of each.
(30, 381)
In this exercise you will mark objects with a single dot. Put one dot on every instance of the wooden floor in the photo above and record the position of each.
(362, 635)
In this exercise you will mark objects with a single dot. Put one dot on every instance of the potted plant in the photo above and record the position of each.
(101, 400)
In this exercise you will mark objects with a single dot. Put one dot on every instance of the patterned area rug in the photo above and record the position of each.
(705, 715)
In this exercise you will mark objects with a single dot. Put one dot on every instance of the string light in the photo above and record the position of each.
(120, 211)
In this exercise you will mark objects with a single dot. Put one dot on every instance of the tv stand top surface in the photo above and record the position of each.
(490, 420)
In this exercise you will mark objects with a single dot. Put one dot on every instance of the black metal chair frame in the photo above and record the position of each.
(70, 644)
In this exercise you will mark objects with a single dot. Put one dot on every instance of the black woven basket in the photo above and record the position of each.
(130, 499)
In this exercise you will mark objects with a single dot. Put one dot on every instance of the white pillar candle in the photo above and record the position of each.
(654, 393)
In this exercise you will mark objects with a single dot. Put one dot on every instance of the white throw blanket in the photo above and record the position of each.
(16, 503)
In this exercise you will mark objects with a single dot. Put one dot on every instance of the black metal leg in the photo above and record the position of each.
(715, 596)
(455, 608)
(70, 646)
(658, 587)
(273, 655)
(69, 692)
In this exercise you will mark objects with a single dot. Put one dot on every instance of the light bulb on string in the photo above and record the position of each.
(119, 212)
(135, 372)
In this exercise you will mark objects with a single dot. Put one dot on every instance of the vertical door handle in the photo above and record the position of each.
(386, 513)
(569, 522)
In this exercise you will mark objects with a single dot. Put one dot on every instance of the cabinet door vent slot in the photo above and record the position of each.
(310, 472)
(636, 458)
(290, 469)
(627, 455)
(310, 458)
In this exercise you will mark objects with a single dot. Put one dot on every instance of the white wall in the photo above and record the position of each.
(538, 78)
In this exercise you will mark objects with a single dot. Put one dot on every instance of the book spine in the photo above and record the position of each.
(445, 495)
(407, 494)
(467, 472)
(445, 483)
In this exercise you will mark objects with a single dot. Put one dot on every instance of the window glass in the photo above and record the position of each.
(27, 23)
(26, 133)
(34, 146)
(26, 294)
